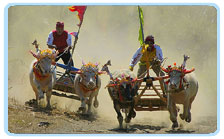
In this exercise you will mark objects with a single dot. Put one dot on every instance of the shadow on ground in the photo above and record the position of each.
(136, 127)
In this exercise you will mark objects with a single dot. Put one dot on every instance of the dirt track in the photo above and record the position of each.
(26, 119)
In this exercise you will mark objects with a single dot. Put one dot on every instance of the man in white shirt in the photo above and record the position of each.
(61, 40)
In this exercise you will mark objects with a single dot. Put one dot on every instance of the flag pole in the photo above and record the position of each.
(141, 25)
(75, 41)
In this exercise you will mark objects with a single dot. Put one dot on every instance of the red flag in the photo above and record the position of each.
(81, 10)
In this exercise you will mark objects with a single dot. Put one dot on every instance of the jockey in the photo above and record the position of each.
(149, 54)
(61, 40)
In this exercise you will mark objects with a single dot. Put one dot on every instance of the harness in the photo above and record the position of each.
(38, 72)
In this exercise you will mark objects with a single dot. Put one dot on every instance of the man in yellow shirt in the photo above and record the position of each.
(149, 54)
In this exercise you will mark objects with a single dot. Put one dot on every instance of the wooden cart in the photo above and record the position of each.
(150, 96)
(65, 82)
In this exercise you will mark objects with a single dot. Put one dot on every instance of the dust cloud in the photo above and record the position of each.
(111, 33)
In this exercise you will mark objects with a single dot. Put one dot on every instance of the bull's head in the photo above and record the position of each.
(89, 74)
(124, 84)
(176, 75)
(45, 59)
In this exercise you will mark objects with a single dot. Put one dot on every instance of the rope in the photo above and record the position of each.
(164, 61)
(62, 53)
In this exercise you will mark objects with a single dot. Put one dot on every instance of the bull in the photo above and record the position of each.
(42, 74)
(87, 84)
(122, 88)
(182, 89)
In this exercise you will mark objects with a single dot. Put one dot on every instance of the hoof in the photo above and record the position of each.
(127, 120)
(188, 119)
(96, 104)
(175, 125)
(82, 109)
(133, 114)
(48, 107)
(181, 116)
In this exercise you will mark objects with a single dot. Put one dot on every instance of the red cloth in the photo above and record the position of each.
(60, 40)
(81, 10)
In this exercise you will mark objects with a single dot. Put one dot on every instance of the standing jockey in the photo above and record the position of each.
(150, 54)
(61, 40)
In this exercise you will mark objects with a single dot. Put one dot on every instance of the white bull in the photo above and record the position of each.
(87, 84)
(42, 75)
(182, 89)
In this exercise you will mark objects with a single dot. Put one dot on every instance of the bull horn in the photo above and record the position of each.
(37, 56)
(189, 71)
(165, 70)
(161, 78)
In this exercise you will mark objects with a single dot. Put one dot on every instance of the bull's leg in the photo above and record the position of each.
(173, 113)
(83, 104)
(39, 91)
(48, 94)
(96, 103)
(127, 117)
(39, 96)
(185, 114)
(119, 116)
(188, 116)
(89, 105)
(131, 114)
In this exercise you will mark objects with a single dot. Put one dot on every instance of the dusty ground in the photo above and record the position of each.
(28, 119)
